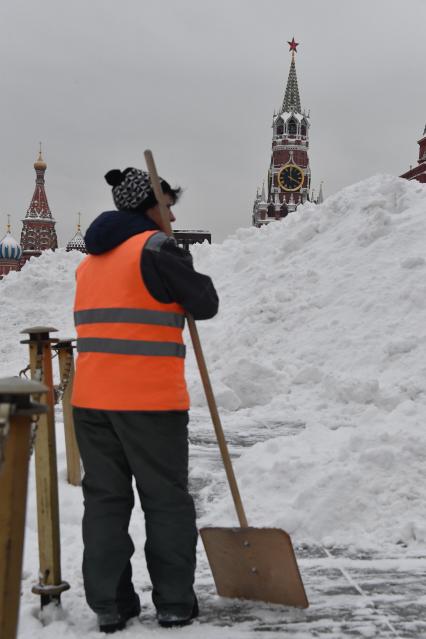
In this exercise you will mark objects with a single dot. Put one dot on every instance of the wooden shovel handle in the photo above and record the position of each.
(158, 191)
(165, 218)
(216, 421)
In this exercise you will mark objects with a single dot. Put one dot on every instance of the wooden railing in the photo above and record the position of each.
(27, 423)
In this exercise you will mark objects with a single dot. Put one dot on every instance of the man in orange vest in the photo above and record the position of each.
(131, 403)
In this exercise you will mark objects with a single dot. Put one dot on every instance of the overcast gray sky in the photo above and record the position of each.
(197, 81)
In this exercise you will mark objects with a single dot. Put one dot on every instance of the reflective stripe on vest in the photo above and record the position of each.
(128, 315)
(129, 347)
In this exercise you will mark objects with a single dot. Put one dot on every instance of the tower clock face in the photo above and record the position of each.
(290, 177)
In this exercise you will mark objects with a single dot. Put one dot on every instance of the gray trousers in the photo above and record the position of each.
(152, 447)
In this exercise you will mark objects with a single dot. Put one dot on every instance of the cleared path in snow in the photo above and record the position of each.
(392, 602)
(351, 595)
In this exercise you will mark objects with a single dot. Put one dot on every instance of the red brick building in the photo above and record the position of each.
(418, 172)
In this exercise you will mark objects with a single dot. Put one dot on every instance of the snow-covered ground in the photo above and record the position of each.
(318, 361)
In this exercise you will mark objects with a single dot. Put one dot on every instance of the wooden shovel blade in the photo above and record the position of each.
(254, 563)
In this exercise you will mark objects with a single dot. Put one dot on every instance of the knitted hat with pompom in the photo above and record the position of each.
(130, 188)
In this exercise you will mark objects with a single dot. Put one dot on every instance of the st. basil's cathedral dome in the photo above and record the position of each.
(10, 249)
(77, 243)
(10, 253)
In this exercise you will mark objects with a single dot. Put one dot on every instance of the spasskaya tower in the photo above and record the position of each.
(289, 175)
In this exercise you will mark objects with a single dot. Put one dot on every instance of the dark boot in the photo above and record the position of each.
(171, 616)
(111, 622)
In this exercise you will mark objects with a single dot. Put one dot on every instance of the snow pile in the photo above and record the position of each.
(323, 321)
(322, 326)
(334, 295)
(42, 294)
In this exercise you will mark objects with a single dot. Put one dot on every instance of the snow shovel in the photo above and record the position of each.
(247, 563)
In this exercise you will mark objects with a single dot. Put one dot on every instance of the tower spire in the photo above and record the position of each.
(8, 223)
(39, 206)
(38, 231)
(291, 102)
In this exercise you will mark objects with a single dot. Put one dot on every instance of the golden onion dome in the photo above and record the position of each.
(40, 163)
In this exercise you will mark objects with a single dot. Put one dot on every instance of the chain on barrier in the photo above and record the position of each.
(38, 376)
(58, 390)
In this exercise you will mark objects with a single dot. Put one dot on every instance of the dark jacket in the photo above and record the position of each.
(166, 269)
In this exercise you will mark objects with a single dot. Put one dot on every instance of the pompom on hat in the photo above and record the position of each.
(130, 188)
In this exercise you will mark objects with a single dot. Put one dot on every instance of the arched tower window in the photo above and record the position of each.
(292, 126)
(303, 128)
(279, 127)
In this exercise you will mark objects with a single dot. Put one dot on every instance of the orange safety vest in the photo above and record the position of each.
(131, 354)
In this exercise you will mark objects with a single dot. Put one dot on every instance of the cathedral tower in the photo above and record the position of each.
(289, 175)
(38, 230)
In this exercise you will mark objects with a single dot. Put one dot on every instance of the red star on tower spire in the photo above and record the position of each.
(293, 45)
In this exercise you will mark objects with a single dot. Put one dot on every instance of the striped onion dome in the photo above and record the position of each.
(9, 248)
(77, 243)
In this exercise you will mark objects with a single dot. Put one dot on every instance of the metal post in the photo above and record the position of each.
(64, 348)
(16, 414)
(51, 585)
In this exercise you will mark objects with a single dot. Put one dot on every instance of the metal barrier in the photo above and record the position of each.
(17, 413)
